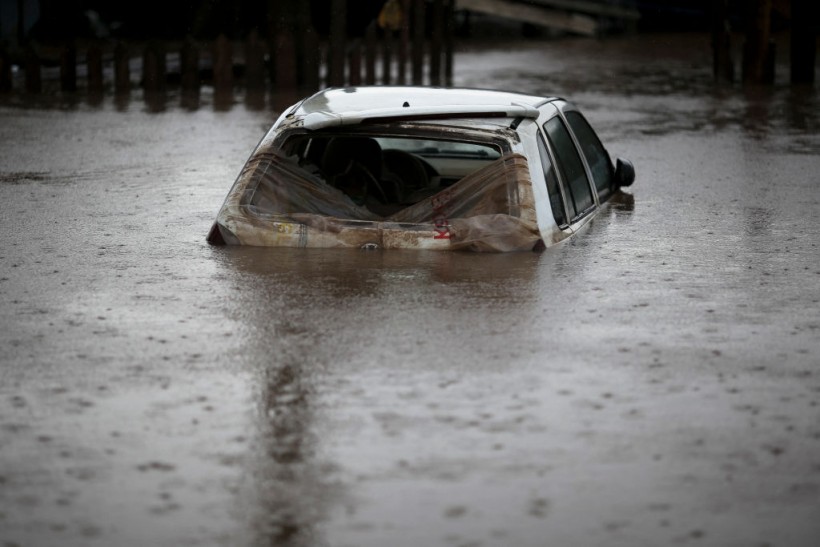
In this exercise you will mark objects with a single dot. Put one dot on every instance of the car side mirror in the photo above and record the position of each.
(624, 172)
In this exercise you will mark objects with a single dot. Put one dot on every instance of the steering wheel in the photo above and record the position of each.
(373, 182)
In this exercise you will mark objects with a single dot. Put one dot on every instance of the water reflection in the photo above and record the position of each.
(802, 110)
(276, 341)
(332, 273)
(756, 117)
(757, 221)
(156, 101)
(325, 329)
(622, 204)
(308, 314)
(290, 499)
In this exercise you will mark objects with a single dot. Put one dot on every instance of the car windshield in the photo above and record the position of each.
(408, 167)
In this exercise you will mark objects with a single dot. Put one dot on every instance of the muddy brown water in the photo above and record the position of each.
(654, 381)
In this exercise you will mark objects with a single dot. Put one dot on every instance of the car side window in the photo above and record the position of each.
(569, 164)
(596, 155)
(554, 190)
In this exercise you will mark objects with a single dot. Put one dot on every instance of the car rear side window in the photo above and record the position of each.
(554, 190)
(594, 152)
(569, 164)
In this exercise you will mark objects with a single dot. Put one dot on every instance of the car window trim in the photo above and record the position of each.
(601, 144)
(590, 181)
(558, 176)
(563, 183)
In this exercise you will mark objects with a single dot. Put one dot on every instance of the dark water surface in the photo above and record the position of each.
(654, 381)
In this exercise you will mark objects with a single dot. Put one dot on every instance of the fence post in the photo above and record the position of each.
(404, 39)
(436, 42)
(282, 44)
(122, 70)
(391, 19)
(758, 52)
(223, 66)
(336, 55)
(310, 53)
(312, 60)
(153, 67)
(34, 80)
(189, 67)
(68, 67)
(370, 54)
(387, 56)
(355, 64)
(285, 58)
(418, 42)
(254, 62)
(449, 41)
(5, 71)
(803, 41)
(722, 66)
(93, 60)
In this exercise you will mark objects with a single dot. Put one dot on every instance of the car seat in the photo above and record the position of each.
(354, 165)
(407, 174)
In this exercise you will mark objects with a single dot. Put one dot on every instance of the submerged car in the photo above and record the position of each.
(421, 168)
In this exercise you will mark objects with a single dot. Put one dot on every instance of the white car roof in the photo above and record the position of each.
(354, 105)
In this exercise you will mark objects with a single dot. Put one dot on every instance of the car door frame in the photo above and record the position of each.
(549, 110)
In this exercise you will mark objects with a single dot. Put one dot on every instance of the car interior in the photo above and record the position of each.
(389, 174)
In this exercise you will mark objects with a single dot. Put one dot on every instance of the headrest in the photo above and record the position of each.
(341, 151)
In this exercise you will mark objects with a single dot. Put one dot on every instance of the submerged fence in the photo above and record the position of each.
(411, 45)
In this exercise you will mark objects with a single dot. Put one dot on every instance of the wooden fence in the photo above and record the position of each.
(416, 48)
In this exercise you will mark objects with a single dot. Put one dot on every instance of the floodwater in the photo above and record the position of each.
(653, 381)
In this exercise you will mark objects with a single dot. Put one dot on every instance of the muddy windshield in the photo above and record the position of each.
(349, 190)
(389, 173)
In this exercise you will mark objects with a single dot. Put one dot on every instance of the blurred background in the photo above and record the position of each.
(102, 46)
